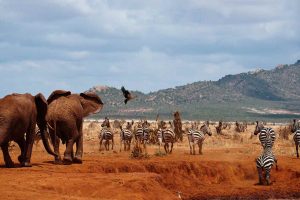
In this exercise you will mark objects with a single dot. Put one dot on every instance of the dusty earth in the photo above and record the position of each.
(226, 170)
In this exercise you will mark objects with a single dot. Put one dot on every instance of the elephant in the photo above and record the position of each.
(19, 114)
(65, 118)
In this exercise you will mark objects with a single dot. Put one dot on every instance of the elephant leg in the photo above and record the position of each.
(57, 159)
(22, 146)
(79, 150)
(68, 152)
(171, 147)
(29, 144)
(8, 162)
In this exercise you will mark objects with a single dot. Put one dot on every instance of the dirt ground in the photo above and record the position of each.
(226, 170)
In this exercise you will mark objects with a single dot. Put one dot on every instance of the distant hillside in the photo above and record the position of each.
(262, 94)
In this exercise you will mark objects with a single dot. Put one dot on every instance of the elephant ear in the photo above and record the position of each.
(42, 107)
(56, 94)
(91, 96)
(91, 103)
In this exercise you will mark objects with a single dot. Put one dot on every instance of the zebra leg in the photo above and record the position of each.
(200, 148)
(194, 151)
(165, 146)
(125, 145)
(107, 145)
(145, 147)
(171, 147)
(112, 143)
(100, 143)
(275, 160)
(297, 145)
(259, 170)
(121, 145)
(268, 176)
(190, 146)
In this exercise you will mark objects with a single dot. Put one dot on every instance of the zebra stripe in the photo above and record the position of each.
(106, 134)
(297, 140)
(145, 134)
(139, 134)
(297, 137)
(196, 136)
(166, 135)
(267, 137)
(265, 162)
(126, 135)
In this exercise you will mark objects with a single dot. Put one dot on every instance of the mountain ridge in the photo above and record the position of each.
(278, 88)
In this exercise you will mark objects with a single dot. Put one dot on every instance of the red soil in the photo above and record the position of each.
(219, 174)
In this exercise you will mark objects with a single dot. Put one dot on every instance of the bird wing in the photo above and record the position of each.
(125, 92)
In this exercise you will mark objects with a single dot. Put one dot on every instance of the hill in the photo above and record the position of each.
(272, 95)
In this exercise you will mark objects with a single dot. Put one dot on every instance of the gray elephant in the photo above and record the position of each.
(65, 117)
(19, 114)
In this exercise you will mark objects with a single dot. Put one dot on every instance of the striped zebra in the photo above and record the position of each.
(296, 131)
(197, 137)
(126, 137)
(106, 134)
(265, 162)
(146, 132)
(266, 136)
(138, 136)
(166, 136)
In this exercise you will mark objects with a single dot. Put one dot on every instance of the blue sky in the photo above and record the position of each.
(143, 45)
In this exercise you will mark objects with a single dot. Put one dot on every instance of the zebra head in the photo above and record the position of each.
(295, 126)
(105, 123)
(129, 126)
(258, 128)
(205, 129)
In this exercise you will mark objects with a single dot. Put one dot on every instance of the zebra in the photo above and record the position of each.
(296, 130)
(197, 137)
(266, 137)
(106, 134)
(146, 131)
(265, 162)
(126, 137)
(138, 135)
(166, 136)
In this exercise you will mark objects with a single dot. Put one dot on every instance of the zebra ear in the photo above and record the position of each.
(257, 122)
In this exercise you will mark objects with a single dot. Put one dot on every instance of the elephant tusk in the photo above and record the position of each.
(50, 126)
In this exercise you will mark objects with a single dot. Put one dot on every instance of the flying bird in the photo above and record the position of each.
(127, 95)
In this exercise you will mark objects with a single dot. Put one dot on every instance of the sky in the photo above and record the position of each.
(143, 45)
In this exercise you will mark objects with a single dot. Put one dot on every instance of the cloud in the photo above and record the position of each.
(146, 45)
